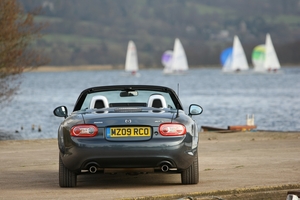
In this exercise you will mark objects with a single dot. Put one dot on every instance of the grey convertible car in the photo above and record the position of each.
(128, 129)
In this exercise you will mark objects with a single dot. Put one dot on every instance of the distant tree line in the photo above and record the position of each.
(97, 31)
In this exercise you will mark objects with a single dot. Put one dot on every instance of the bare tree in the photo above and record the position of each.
(17, 33)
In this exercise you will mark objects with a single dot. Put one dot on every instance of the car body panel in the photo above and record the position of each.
(111, 149)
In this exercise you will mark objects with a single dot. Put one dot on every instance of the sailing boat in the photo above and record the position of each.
(166, 60)
(233, 59)
(175, 62)
(258, 57)
(131, 63)
(264, 57)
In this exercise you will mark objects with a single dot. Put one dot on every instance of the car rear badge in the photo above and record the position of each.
(128, 121)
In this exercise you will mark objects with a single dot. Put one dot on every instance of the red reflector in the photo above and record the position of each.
(172, 129)
(84, 130)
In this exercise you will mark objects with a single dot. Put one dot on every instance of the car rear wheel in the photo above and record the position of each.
(191, 174)
(67, 178)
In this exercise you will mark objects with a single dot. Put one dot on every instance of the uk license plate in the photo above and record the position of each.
(121, 132)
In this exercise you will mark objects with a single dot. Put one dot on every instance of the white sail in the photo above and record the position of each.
(264, 57)
(271, 59)
(131, 63)
(178, 61)
(237, 61)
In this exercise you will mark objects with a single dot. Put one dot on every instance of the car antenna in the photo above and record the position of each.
(177, 114)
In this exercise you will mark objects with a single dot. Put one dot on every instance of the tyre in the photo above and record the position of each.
(67, 178)
(191, 174)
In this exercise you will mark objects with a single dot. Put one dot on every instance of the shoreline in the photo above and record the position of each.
(112, 67)
(72, 68)
(9, 136)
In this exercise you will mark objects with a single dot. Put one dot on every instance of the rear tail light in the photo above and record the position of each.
(169, 129)
(84, 130)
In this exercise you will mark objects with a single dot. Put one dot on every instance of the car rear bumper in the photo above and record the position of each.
(177, 154)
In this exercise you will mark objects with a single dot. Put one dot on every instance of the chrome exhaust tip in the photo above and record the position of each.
(93, 169)
(164, 168)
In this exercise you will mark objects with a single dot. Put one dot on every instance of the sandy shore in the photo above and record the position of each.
(232, 165)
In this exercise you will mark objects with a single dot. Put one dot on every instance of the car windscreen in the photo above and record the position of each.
(134, 98)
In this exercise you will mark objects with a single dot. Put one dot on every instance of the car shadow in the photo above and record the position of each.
(121, 180)
(49, 179)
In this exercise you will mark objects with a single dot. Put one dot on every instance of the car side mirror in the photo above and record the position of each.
(292, 197)
(195, 109)
(61, 111)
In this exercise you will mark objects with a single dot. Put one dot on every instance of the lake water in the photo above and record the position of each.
(226, 98)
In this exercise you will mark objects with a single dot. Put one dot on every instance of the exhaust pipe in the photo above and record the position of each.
(93, 169)
(164, 168)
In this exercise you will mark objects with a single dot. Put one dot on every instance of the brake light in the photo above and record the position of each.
(84, 130)
(169, 129)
